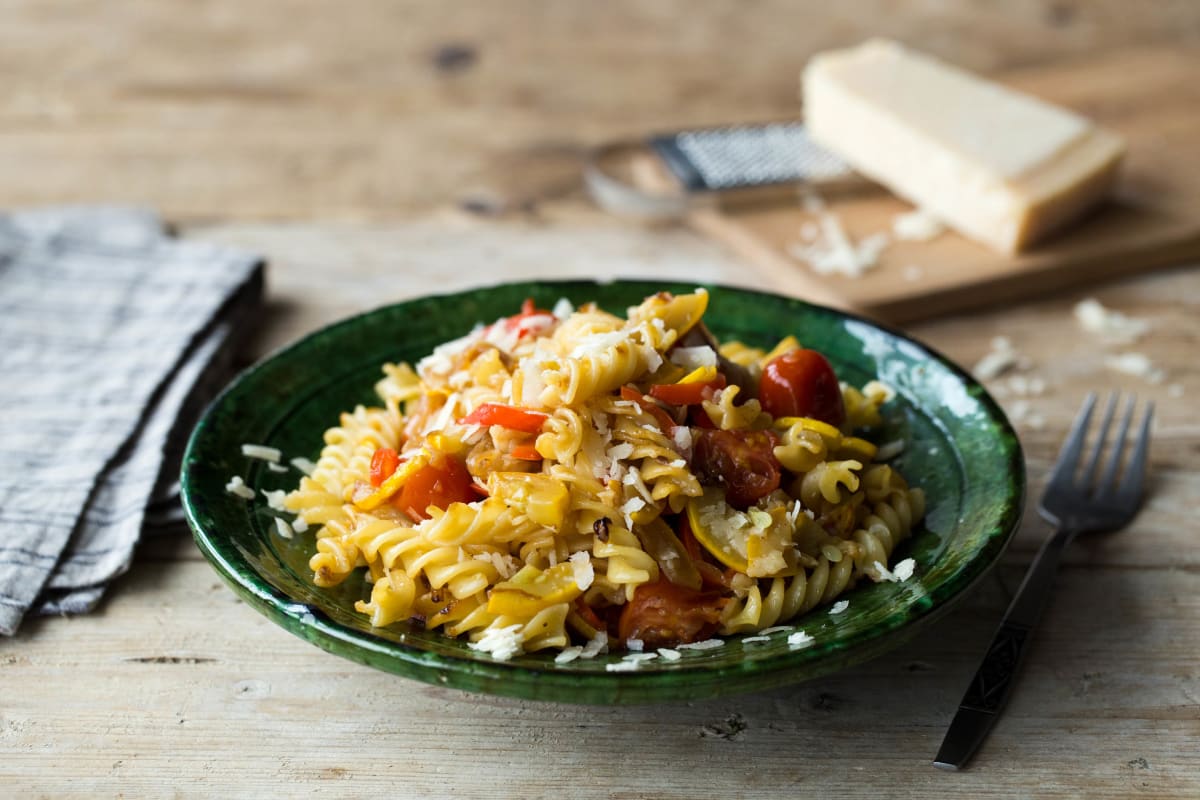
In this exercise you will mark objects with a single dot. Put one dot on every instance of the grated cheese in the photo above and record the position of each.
(904, 571)
(568, 654)
(501, 643)
(632, 506)
(581, 565)
(1112, 325)
(917, 225)
(832, 251)
(303, 465)
(693, 358)
(776, 629)
(756, 639)
(633, 477)
(620, 451)
(707, 644)
(1136, 364)
(799, 639)
(597, 645)
(238, 487)
(999, 360)
(262, 452)
(282, 528)
(667, 654)
(299, 525)
(563, 308)
(840, 606)
(275, 499)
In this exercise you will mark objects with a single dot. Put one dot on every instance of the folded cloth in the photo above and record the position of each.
(112, 338)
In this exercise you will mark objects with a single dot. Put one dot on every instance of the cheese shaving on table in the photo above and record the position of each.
(1114, 326)
(833, 252)
(916, 226)
(999, 360)
(1136, 364)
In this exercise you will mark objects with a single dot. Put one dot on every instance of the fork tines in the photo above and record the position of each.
(1067, 473)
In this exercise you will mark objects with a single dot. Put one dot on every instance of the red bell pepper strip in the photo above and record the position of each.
(517, 419)
(383, 463)
(663, 418)
(686, 394)
(526, 452)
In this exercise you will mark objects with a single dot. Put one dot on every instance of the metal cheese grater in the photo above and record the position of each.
(744, 156)
(672, 171)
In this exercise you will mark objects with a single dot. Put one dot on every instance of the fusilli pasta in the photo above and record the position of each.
(583, 474)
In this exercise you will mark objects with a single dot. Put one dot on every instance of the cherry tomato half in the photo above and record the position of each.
(742, 461)
(801, 383)
(436, 485)
(662, 614)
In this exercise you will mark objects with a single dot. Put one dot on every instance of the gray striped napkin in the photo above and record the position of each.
(112, 337)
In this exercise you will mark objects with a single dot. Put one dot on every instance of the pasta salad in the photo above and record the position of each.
(572, 480)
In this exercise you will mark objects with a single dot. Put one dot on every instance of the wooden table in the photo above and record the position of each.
(380, 150)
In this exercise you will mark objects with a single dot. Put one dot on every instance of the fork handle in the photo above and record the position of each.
(993, 681)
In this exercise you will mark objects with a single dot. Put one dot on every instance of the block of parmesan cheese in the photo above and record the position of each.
(1001, 167)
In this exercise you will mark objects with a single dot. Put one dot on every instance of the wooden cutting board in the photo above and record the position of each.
(1151, 97)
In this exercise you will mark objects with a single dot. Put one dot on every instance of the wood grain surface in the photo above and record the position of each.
(1149, 96)
(380, 151)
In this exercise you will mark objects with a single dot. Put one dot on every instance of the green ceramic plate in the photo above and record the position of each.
(960, 449)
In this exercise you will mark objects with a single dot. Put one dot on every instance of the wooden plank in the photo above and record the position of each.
(186, 691)
(1147, 95)
(211, 114)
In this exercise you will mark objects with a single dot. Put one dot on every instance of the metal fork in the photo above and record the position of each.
(1075, 502)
